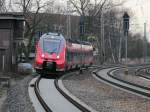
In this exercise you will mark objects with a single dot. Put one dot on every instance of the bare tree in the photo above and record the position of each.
(31, 10)
(107, 26)
(99, 8)
(100, 25)
(50, 7)
(2, 6)
(81, 6)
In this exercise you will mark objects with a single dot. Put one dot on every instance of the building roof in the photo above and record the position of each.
(11, 16)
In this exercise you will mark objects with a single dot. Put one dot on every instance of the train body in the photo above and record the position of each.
(55, 53)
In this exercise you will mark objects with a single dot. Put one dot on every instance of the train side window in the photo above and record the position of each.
(72, 56)
(76, 56)
(69, 56)
(80, 56)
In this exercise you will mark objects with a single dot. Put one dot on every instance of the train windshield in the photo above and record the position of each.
(51, 45)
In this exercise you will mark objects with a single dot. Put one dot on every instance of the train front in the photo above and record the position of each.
(50, 53)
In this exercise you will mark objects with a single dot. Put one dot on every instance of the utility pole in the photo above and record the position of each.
(126, 45)
(82, 31)
(101, 21)
(145, 44)
(102, 38)
(68, 20)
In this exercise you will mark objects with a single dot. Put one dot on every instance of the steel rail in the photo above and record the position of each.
(130, 83)
(143, 70)
(43, 103)
(78, 105)
(70, 99)
(37, 92)
(148, 78)
(123, 86)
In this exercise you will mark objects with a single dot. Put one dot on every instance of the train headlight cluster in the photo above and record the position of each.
(57, 57)
(43, 55)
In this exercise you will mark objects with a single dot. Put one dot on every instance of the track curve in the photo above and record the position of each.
(78, 105)
(109, 78)
(73, 104)
(37, 92)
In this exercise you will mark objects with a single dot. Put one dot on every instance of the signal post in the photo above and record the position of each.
(126, 29)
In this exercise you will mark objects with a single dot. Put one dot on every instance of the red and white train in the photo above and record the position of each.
(55, 53)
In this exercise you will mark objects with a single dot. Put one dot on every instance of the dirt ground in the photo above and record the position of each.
(7, 80)
(3, 96)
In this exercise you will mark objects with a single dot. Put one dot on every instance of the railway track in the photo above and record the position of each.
(144, 72)
(41, 100)
(73, 101)
(109, 78)
(81, 107)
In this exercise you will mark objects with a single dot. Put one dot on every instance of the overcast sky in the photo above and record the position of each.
(141, 11)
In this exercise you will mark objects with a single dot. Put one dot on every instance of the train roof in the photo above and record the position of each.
(53, 36)
(61, 37)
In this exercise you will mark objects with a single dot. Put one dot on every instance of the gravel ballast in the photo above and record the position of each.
(131, 77)
(102, 97)
(18, 98)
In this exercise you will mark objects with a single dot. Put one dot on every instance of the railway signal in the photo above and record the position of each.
(126, 29)
(126, 22)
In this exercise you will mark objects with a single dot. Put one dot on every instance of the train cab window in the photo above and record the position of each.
(51, 45)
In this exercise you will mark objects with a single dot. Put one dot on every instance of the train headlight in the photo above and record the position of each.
(57, 57)
(43, 55)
